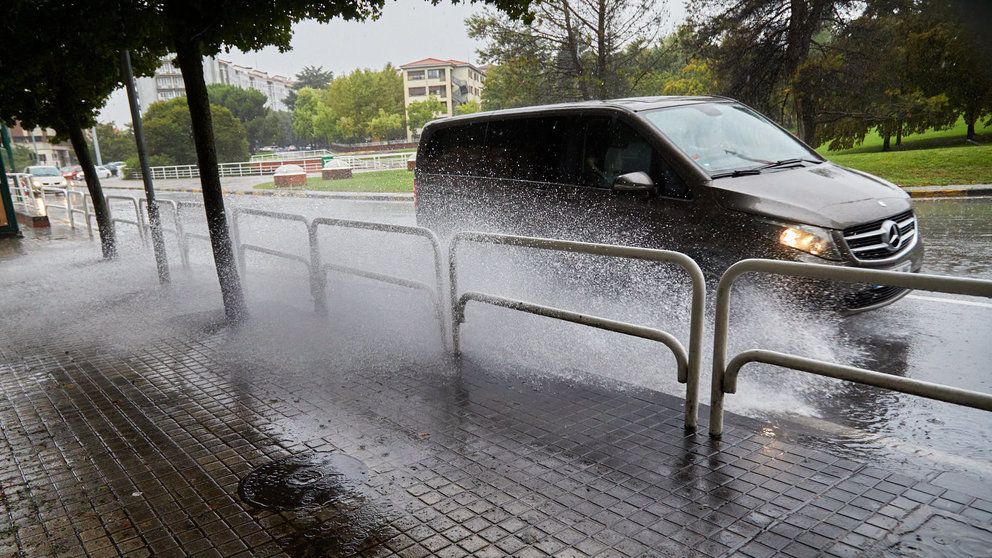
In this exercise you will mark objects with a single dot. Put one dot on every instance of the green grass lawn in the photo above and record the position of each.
(937, 157)
(390, 181)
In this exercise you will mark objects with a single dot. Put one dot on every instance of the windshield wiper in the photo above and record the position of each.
(787, 162)
(738, 172)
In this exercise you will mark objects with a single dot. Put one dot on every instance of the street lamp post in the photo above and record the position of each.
(154, 219)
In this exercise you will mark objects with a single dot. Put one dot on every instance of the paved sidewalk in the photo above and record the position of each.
(130, 415)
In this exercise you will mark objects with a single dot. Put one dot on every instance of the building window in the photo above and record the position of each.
(418, 91)
(414, 75)
(435, 74)
(439, 90)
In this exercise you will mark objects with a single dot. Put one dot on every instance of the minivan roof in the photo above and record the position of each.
(632, 104)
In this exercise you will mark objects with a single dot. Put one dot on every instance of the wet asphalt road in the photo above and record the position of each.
(926, 336)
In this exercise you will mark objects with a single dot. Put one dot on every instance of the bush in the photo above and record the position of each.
(132, 168)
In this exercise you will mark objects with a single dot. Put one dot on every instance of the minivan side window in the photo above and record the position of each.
(530, 149)
(456, 150)
(612, 148)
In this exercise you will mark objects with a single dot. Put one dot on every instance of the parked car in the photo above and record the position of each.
(69, 173)
(102, 172)
(42, 176)
(114, 167)
(706, 176)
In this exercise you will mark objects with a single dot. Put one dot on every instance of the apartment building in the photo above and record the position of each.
(453, 82)
(167, 83)
(37, 140)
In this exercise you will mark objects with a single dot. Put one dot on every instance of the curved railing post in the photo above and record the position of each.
(689, 374)
(318, 279)
(725, 375)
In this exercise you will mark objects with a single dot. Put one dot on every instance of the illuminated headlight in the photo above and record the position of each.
(63, 182)
(36, 183)
(812, 240)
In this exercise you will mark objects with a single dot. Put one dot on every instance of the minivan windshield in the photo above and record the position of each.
(725, 137)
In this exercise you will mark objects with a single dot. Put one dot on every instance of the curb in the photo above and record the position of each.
(950, 193)
(285, 194)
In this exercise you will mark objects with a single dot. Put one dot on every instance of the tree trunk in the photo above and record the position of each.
(573, 52)
(806, 119)
(885, 141)
(601, 47)
(970, 117)
(108, 242)
(899, 135)
(191, 64)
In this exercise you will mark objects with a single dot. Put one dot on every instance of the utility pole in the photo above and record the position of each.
(154, 219)
(96, 147)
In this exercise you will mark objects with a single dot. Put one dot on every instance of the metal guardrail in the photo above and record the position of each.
(178, 230)
(322, 269)
(242, 247)
(318, 271)
(725, 374)
(24, 196)
(137, 221)
(688, 364)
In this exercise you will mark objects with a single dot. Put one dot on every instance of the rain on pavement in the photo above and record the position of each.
(132, 416)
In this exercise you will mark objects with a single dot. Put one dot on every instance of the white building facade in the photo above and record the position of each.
(453, 82)
(167, 83)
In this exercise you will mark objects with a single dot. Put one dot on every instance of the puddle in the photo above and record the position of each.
(297, 482)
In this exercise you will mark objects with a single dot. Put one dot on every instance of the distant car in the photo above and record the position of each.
(114, 167)
(101, 172)
(69, 173)
(42, 176)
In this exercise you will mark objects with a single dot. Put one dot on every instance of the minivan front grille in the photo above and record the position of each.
(872, 296)
(878, 240)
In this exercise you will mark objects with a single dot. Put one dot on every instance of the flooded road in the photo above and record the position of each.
(926, 336)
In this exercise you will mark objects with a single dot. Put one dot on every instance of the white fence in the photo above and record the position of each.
(311, 164)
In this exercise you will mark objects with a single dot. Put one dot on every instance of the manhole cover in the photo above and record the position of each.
(303, 481)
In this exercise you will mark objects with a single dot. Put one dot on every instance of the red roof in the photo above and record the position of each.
(436, 62)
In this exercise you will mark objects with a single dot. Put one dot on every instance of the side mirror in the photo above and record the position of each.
(633, 182)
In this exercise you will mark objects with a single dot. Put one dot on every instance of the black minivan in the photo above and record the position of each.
(706, 176)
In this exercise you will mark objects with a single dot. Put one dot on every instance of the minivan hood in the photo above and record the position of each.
(824, 195)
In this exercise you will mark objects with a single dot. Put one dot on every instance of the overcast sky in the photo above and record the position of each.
(408, 30)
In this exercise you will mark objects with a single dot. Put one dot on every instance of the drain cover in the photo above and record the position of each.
(303, 481)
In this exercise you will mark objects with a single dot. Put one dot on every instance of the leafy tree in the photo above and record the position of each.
(23, 157)
(169, 133)
(758, 47)
(419, 113)
(325, 123)
(948, 53)
(360, 96)
(198, 28)
(115, 144)
(283, 124)
(386, 126)
(861, 82)
(313, 77)
(248, 106)
(347, 127)
(304, 113)
(470, 107)
(573, 49)
(61, 77)
(245, 104)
